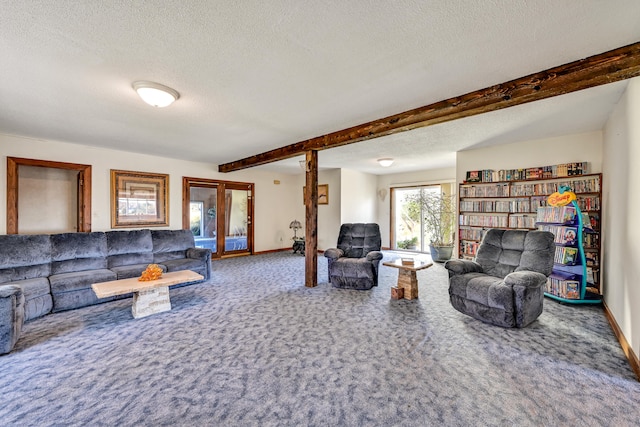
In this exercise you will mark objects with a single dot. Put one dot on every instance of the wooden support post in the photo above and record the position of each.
(311, 220)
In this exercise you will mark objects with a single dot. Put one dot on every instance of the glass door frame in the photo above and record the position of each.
(392, 215)
(220, 187)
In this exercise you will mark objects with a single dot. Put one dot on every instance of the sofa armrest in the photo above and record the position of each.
(199, 253)
(333, 253)
(8, 291)
(527, 279)
(374, 256)
(11, 316)
(462, 266)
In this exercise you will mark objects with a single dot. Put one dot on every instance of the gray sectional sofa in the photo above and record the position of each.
(45, 273)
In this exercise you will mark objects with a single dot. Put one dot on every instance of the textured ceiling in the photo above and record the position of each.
(257, 75)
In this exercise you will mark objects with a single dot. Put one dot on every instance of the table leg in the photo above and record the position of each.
(408, 280)
(149, 302)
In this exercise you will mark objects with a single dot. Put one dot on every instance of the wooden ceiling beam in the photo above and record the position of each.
(608, 67)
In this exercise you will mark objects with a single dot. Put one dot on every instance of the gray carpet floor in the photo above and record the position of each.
(253, 346)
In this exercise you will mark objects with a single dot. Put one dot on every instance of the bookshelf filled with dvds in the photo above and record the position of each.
(513, 204)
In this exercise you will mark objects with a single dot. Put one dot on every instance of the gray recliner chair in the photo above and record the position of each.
(505, 285)
(354, 263)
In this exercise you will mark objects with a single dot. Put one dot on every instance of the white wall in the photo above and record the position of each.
(358, 197)
(385, 182)
(273, 203)
(328, 215)
(621, 210)
(352, 198)
(542, 152)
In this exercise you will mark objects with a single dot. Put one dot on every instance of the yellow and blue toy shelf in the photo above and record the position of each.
(572, 281)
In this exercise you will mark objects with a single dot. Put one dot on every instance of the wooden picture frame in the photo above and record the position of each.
(139, 199)
(323, 194)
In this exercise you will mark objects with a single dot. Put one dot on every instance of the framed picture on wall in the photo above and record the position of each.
(323, 194)
(139, 199)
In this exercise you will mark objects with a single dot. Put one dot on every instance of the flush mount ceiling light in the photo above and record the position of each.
(155, 94)
(385, 163)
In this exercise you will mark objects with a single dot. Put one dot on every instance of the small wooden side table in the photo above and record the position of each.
(407, 278)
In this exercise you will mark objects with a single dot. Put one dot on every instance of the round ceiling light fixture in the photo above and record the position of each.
(155, 94)
(386, 162)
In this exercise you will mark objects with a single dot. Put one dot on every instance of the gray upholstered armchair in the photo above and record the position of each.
(354, 263)
(505, 285)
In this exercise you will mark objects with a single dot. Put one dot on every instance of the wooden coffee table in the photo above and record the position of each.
(407, 278)
(148, 297)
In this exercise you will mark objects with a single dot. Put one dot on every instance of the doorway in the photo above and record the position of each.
(219, 214)
(36, 189)
(409, 232)
(408, 228)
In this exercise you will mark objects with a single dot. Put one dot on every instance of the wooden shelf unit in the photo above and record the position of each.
(514, 204)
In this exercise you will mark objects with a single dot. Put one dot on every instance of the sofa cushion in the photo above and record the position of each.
(72, 252)
(358, 239)
(171, 244)
(37, 306)
(124, 260)
(185, 264)
(535, 256)
(37, 297)
(34, 287)
(484, 289)
(490, 291)
(135, 270)
(129, 247)
(353, 273)
(500, 251)
(483, 297)
(77, 299)
(504, 251)
(66, 282)
(24, 257)
(73, 290)
(14, 274)
(353, 267)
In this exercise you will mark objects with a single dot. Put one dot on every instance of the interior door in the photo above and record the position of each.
(238, 207)
(203, 215)
(219, 214)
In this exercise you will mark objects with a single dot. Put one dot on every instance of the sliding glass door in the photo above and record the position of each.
(219, 214)
(409, 232)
